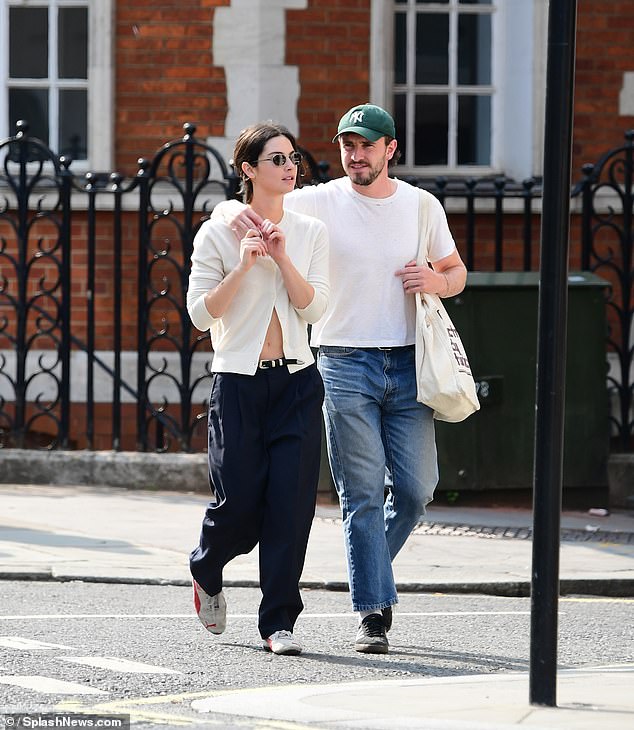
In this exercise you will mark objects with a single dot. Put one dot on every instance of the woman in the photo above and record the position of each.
(266, 393)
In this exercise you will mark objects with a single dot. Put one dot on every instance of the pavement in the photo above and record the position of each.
(107, 534)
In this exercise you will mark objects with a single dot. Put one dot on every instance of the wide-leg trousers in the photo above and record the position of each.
(264, 458)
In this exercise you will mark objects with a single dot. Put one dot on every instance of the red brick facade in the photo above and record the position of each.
(165, 72)
(605, 51)
(165, 75)
(330, 43)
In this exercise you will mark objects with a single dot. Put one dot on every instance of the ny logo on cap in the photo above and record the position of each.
(356, 117)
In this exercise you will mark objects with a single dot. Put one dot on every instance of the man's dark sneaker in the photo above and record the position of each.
(387, 617)
(371, 638)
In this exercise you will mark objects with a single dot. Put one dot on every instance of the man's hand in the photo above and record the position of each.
(417, 278)
(239, 217)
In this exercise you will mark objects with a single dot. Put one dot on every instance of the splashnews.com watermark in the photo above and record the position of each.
(62, 720)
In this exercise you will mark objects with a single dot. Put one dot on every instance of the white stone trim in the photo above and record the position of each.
(249, 40)
(103, 382)
(626, 95)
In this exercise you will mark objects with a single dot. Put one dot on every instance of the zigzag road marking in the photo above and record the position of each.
(48, 685)
(118, 665)
(19, 642)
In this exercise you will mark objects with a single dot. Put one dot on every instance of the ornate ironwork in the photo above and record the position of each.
(170, 197)
(34, 293)
(192, 173)
(607, 248)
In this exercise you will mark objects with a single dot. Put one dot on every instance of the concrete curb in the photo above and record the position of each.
(130, 469)
(605, 587)
(171, 472)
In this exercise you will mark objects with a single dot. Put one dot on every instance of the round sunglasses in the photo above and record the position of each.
(279, 158)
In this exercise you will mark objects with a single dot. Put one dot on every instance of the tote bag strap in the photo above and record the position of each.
(423, 227)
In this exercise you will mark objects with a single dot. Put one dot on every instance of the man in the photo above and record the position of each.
(377, 433)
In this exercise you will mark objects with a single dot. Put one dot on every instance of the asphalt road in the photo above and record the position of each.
(140, 650)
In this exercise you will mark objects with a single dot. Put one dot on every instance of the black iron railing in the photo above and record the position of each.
(607, 218)
(64, 240)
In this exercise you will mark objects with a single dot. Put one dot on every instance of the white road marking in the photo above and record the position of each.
(398, 613)
(117, 665)
(47, 685)
(347, 614)
(55, 616)
(18, 642)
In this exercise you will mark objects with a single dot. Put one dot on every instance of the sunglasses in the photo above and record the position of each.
(279, 159)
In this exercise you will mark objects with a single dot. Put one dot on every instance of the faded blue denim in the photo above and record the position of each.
(377, 434)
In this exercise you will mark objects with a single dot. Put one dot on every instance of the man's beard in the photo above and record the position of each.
(366, 177)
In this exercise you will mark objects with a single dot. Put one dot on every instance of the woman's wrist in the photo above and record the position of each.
(283, 261)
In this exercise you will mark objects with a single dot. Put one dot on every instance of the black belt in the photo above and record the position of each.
(278, 362)
(398, 347)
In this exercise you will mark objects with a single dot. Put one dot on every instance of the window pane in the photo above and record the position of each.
(32, 106)
(73, 123)
(28, 43)
(474, 49)
(432, 117)
(399, 122)
(475, 2)
(432, 2)
(400, 48)
(432, 43)
(73, 43)
(474, 130)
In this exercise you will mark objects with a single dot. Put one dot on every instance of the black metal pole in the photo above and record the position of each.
(551, 348)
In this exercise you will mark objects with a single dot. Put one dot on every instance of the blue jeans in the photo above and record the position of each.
(378, 435)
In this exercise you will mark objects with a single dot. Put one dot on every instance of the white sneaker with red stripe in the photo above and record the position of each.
(211, 610)
(283, 642)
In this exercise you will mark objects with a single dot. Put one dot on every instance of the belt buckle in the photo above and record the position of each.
(268, 364)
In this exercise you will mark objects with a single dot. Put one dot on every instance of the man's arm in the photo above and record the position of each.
(454, 272)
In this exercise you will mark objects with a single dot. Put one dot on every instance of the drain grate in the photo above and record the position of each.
(521, 533)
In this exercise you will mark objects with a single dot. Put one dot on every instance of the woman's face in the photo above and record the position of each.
(275, 179)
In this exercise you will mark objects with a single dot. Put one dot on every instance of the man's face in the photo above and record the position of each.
(362, 160)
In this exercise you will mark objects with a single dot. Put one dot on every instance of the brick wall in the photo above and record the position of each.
(164, 75)
(605, 50)
(330, 43)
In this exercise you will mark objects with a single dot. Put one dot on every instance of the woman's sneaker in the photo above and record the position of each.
(283, 642)
(211, 610)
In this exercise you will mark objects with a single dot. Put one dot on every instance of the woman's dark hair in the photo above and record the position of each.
(248, 148)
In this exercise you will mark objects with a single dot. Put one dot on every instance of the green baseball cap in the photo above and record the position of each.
(369, 121)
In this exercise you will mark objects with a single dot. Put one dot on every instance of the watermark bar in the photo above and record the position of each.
(63, 720)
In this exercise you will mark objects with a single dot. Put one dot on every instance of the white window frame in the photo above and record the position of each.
(518, 83)
(99, 85)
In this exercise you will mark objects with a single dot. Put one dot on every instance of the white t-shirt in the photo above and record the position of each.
(370, 239)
